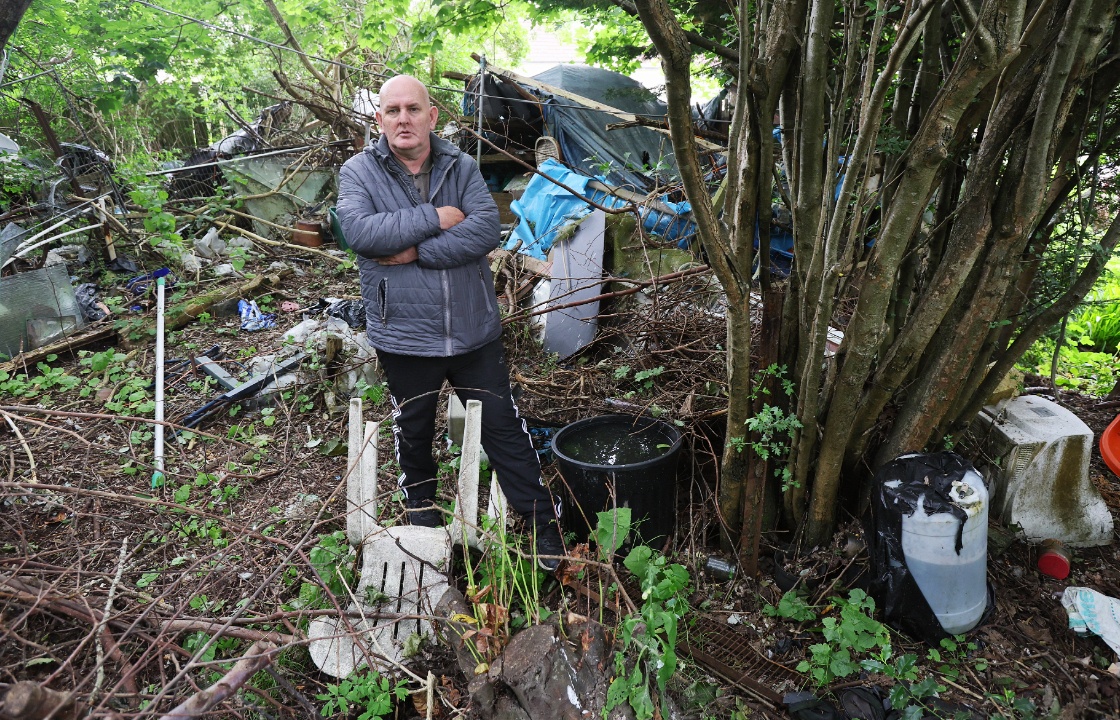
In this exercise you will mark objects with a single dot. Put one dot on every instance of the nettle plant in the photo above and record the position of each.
(29, 386)
(648, 651)
(855, 642)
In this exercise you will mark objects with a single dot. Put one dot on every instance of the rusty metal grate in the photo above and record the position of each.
(730, 654)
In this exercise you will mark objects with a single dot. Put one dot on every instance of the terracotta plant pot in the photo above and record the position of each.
(307, 234)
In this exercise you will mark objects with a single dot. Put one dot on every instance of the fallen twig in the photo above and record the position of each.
(70, 343)
(211, 627)
(259, 656)
(638, 285)
(23, 443)
(100, 676)
(36, 595)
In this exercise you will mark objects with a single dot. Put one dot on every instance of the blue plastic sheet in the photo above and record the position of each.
(545, 207)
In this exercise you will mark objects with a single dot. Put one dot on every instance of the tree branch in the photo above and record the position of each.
(294, 44)
(693, 37)
(258, 657)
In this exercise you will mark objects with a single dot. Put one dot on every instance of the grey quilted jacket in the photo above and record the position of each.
(444, 304)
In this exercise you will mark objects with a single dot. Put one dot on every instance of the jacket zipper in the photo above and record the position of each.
(445, 281)
(444, 276)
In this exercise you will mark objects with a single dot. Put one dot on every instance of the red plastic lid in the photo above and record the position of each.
(1054, 564)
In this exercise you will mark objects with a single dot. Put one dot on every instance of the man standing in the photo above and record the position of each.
(420, 218)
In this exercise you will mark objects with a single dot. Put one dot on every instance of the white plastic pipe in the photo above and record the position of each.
(157, 462)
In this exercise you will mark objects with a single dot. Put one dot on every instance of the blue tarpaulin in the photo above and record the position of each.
(545, 207)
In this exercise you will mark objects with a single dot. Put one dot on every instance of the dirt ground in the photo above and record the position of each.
(109, 586)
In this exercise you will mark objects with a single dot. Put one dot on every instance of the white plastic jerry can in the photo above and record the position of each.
(953, 583)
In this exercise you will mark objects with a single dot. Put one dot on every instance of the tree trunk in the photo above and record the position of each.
(11, 12)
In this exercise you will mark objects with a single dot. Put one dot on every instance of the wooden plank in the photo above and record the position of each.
(30, 357)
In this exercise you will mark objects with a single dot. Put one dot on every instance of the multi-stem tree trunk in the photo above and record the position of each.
(928, 150)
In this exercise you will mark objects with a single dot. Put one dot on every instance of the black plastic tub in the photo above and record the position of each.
(631, 461)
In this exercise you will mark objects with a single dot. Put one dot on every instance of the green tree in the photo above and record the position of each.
(926, 150)
(172, 75)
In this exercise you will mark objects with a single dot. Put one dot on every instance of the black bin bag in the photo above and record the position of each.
(921, 478)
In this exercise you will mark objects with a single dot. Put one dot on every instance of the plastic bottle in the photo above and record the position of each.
(954, 584)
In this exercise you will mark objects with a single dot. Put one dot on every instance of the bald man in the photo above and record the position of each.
(420, 218)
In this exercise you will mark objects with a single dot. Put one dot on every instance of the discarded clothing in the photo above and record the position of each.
(252, 319)
(1092, 612)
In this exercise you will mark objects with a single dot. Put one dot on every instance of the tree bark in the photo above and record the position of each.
(980, 61)
(10, 14)
(724, 249)
(30, 701)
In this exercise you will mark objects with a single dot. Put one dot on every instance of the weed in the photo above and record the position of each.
(652, 632)
(504, 589)
(372, 395)
(611, 530)
(225, 646)
(333, 560)
(855, 631)
(366, 691)
(773, 427)
(952, 655)
(791, 607)
(643, 379)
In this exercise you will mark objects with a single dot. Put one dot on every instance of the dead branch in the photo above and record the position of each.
(294, 44)
(141, 500)
(258, 238)
(638, 286)
(213, 626)
(179, 317)
(73, 343)
(664, 124)
(16, 410)
(258, 657)
(332, 119)
(30, 701)
(23, 444)
(36, 594)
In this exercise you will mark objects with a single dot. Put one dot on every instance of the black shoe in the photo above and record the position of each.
(423, 513)
(548, 543)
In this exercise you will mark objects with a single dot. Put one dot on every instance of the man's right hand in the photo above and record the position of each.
(449, 216)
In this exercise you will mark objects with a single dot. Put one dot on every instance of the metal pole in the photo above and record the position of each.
(481, 95)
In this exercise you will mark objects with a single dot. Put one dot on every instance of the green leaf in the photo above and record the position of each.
(611, 530)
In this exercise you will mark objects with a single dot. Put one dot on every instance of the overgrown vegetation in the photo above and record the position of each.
(971, 210)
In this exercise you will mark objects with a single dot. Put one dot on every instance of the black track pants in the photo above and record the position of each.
(415, 383)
